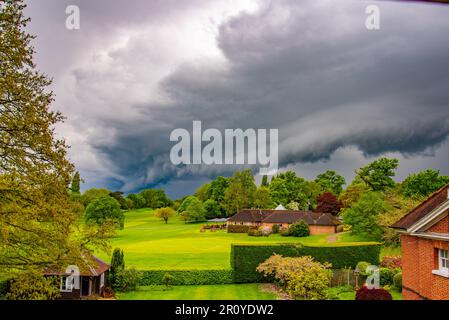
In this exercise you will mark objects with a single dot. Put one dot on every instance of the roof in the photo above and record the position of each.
(427, 206)
(285, 216)
(280, 207)
(218, 220)
(250, 215)
(94, 267)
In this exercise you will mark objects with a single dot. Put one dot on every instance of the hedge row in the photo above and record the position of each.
(188, 277)
(236, 228)
(246, 258)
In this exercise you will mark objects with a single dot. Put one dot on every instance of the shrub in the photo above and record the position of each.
(286, 232)
(372, 294)
(391, 262)
(386, 276)
(117, 265)
(302, 277)
(187, 277)
(397, 280)
(127, 280)
(33, 286)
(299, 229)
(255, 233)
(235, 228)
(275, 228)
(361, 266)
(246, 257)
(167, 279)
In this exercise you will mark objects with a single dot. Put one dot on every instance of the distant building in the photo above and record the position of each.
(425, 246)
(319, 223)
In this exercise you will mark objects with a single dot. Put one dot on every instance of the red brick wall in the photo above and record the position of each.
(441, 227)
(418, 260)
(321, 229)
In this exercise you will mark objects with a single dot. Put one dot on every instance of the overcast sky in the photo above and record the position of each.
(340, 95)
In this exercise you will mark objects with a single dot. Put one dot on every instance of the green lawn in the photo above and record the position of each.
(149, 243)
(211, 292)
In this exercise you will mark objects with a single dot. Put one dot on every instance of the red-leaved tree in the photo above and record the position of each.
(327, 202)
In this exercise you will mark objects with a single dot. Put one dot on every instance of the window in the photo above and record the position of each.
(102, 280)
(443, 263)
(67, 283)
(443, 260)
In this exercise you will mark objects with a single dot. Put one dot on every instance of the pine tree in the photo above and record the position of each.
(117, 265)
(76, 183)
(264, 181)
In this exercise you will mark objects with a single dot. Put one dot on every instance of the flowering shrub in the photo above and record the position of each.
(365, 293)
(391, 262)
(301, 277)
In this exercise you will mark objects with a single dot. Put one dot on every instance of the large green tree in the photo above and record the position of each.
(36, 214)
(423, 183)
(331, 181)
(363, 216)
(378, 175)
(286, 188)
(240, 192)
(156, 198)
(103, 210)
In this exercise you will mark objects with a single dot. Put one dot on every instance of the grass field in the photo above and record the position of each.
(211, 292)
(149, 243)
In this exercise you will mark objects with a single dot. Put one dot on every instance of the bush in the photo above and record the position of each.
(299, 229)
(391, 262)
(235, 228)
(386, 276)
(127, 280)
(397, 280)
(255, 233)
(246, 257)
(167, 279)
(302, 277)
(286, 232)
(372, 294)
(275, 228)
(33, 286)
(361, 266)
(187, 277)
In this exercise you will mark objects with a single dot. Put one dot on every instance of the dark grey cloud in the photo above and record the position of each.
(309, 68)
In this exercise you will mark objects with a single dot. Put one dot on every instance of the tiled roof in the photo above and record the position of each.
(285, 216)
(93, 267)
(434, 201)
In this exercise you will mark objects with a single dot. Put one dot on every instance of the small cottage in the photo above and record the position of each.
(86, 282)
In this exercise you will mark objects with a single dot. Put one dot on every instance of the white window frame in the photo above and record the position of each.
(443, 260)
(63, 285)
(443, 263)
(102, 278)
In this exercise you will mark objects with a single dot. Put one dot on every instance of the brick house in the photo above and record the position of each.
(425, 245)
(319, 223)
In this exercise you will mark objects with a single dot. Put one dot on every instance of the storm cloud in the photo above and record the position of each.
(311, 69)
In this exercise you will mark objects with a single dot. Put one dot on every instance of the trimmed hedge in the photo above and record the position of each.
(187, 277)
(236, 228)
(246, 258)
